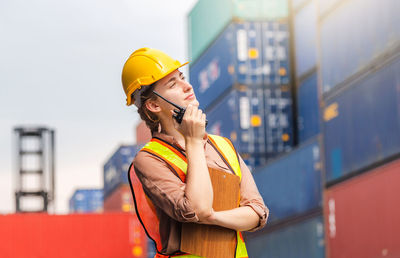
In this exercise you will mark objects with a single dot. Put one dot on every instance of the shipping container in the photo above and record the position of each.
(250, 53)
(143, 134)
(86, 201)
(362, 216)
(291, 186)
(239, 116)
(116, 167)
(119, 200)
(278, 119)
(305, 36)
(208, 18)
(362, 123)
(308, 109)
(151, 248)
(254, 161)
(353, 35)
(248, 117)
(79, 235)
(304, 239)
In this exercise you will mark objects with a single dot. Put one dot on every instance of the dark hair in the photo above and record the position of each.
(151, 119)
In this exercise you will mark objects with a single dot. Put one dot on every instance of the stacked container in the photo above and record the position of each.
(305, 44)
(117, 194)
(208, 19)
(291, 186)
(362, 218)
(360, 63)
(360, 82)
(300, 239)
(347, 104)
(86, 201)
(240, 74)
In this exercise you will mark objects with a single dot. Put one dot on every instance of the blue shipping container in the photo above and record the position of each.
(255, 122)
(308, 108)
(249, 53)
(86, 201)
(151, 249)
(353, 35)
(362, 124)
(305, 36)
(239, 116)
(291, 186)
(302, 240)
(254, 162)
(278, 119)
(116, 168)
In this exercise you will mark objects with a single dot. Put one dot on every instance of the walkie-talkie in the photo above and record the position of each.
(179, 112)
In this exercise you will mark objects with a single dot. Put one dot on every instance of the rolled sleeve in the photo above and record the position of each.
(163, 187)
(250, 196)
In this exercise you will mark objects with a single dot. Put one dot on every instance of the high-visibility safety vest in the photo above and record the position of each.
(178, 164)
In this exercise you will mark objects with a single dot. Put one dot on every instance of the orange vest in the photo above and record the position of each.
(177, 161)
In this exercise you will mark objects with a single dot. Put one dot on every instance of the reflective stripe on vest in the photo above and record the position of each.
(178, 162)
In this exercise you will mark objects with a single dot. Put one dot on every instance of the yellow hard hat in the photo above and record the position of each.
(144, 67)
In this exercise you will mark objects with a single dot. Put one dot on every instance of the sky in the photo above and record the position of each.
(60, 67)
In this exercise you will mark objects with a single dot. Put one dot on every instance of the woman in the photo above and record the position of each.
(173, 168)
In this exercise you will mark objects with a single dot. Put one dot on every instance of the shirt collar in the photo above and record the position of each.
(171, 140)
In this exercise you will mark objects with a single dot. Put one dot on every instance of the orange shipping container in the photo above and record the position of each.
(362, 215)
(77, 235)
(119, 200)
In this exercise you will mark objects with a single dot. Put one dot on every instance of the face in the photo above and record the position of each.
(174, 88)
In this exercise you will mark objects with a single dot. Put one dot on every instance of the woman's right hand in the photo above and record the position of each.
(193, 123)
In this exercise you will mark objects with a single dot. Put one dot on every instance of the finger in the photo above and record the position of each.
(189, 110)
(203, 118)
(199, 114)
(194, 111)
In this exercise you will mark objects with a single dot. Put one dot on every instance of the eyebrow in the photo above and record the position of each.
(173, 79)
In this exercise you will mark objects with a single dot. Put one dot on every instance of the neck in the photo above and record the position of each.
(167, 127)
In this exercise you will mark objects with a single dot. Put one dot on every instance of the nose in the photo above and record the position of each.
(186, 86)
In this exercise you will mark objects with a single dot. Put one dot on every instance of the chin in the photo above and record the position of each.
(195, 103)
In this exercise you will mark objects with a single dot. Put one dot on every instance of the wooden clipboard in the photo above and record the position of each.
(208, 240)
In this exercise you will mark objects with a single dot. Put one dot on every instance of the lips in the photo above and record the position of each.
(190, 96)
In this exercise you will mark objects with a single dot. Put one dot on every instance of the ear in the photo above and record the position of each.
(152, 106)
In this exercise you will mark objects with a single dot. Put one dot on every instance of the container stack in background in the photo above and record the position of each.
(291, 187)
(143, 135)
(243, 82)
(360, 84)
(86, 201)
(304, 25)
(239, 53)
(118, 196)
(117, 193)
(332, 193)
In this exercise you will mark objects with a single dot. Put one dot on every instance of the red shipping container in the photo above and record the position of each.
(143, 134)
(119, 200)
(77, 235)
(362, 215)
